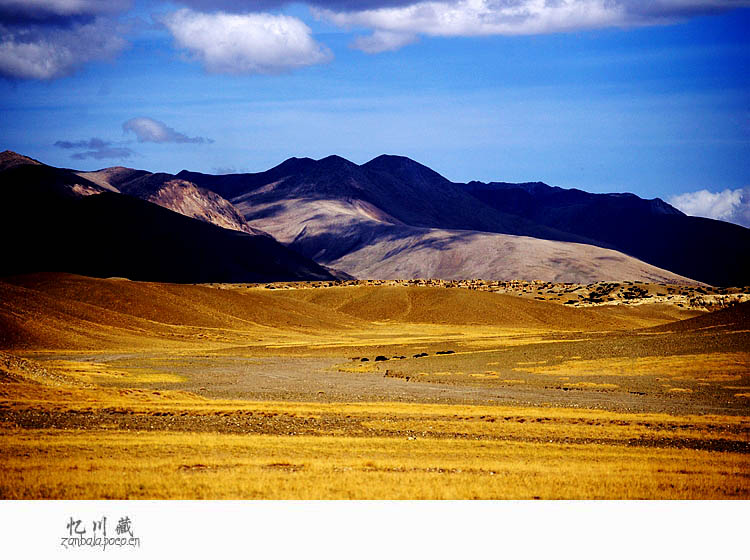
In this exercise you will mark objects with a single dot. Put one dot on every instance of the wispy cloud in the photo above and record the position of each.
(248, 43)
(258, 5)
(151, 130)
(48, 39)
(382, 40)
(728, 205)
(228, 170)
(96, 149)
(93, 143)
(105, 153)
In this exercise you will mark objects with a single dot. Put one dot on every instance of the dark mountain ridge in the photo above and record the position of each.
(49, 226)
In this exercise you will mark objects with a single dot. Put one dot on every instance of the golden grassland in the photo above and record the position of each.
(146, 391)
(420, 451)
(125, 465)
(715, 367)
(101, 372)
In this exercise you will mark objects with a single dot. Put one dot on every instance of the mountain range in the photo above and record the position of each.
(322, 219)
(56, 220)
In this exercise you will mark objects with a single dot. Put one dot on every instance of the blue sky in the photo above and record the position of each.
(581, 94)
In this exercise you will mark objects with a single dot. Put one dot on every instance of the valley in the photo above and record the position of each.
(118, 389)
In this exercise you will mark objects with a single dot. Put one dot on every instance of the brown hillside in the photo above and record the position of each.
(66, 311)
(733, 318)
(467, 307)
(56, 311)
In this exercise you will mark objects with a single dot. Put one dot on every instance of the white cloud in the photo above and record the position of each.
(728, 205)
(483, 17)
(452, 18)
(150, 130)
(246, 43)
(48, 39)
(44, 53)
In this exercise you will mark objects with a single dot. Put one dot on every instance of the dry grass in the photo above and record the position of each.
(717, 367)
(361, 367)
(122, 465)
(101, 372)
(590, 385)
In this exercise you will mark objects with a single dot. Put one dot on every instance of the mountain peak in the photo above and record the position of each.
(405, 169)
(296, 162)
(658, 206)
(335, 162)
(290, 166)
(391, 159)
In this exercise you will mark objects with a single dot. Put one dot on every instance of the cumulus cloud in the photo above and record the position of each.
(48, 39)
(247, 43)
(453, 18)
(150, 130)
(728, 205)
(97, 149)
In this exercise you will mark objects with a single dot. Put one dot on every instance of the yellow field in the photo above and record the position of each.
(125, 465)
(420, 451)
